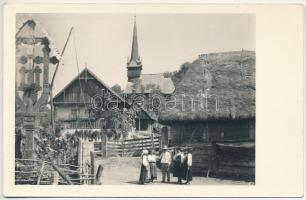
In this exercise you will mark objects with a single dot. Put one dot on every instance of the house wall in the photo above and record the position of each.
(64, 112)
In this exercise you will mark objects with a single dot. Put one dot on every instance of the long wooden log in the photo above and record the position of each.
(61, 174)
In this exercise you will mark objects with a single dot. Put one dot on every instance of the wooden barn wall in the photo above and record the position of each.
(192, 132)
(202, 135)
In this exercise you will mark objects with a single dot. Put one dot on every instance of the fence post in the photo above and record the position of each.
(104, 146)
(98, 180)
(122, 148)
(80, 154)
(142, 144)
(54, 178)
(93, 170)
(40, 172)
(152, 142)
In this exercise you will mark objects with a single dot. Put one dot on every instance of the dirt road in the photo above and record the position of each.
(125, 170)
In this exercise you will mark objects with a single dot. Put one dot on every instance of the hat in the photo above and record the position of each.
(189, 149)
(165, 147)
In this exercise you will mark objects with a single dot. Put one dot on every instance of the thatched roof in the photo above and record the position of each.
(228, 79)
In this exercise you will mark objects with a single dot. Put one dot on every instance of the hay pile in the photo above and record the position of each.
(225, 86)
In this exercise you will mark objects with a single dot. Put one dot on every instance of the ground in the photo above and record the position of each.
(125, 170)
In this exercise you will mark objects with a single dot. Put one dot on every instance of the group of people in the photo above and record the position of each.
(180, 164)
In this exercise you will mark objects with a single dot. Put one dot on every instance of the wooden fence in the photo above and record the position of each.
(127, 148)
(38, 172)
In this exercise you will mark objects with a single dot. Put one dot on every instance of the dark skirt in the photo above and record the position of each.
(153, 171)
(189, 174)
(179, 170)
(143, 174)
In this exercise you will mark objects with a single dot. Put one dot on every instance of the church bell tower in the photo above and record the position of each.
(134, 65)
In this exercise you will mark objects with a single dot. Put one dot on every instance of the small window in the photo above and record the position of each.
(74, 113)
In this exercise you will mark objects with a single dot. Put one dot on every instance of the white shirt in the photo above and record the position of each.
(145, 161)
(165, 157)
(152, 158)
(181, 154)
(189, 159)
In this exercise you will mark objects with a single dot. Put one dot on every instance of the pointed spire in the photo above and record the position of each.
(134, 66)
(134, 53)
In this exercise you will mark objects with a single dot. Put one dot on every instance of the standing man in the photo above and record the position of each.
(152, 163)
(165, 160)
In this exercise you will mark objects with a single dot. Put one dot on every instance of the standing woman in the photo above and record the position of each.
(152, 163)
(144, 170)
(189, 166)
(178, 166)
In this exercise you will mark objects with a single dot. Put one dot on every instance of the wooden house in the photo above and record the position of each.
(87, 102)
(215, 113)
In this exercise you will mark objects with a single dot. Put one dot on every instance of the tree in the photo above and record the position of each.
(117, 89)
(168, 74)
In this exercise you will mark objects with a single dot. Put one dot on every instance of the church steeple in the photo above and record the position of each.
(134, 64)
(134, 53)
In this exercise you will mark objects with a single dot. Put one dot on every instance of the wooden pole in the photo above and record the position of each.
(61, 174)
(98, 180)
(104, 146)
(92, 160)
(54, 180)
(123, 148)
(52, 81)
(40, 173)
(80, 153)
(152, 141)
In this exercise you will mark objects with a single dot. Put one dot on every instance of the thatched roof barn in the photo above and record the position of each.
(228, 78)
(213, 110)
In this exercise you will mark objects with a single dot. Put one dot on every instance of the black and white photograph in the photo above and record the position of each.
(135, 99)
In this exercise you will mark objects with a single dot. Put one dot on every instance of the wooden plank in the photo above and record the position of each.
(139, 144)
(139, 141)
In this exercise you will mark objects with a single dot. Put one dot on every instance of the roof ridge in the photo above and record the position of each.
(101, 82)
(152, 74)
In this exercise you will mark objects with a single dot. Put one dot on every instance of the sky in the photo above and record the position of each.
(103, 41)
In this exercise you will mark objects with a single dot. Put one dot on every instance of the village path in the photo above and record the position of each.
(125, 170)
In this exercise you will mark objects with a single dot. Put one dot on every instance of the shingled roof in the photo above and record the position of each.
(147, 81)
